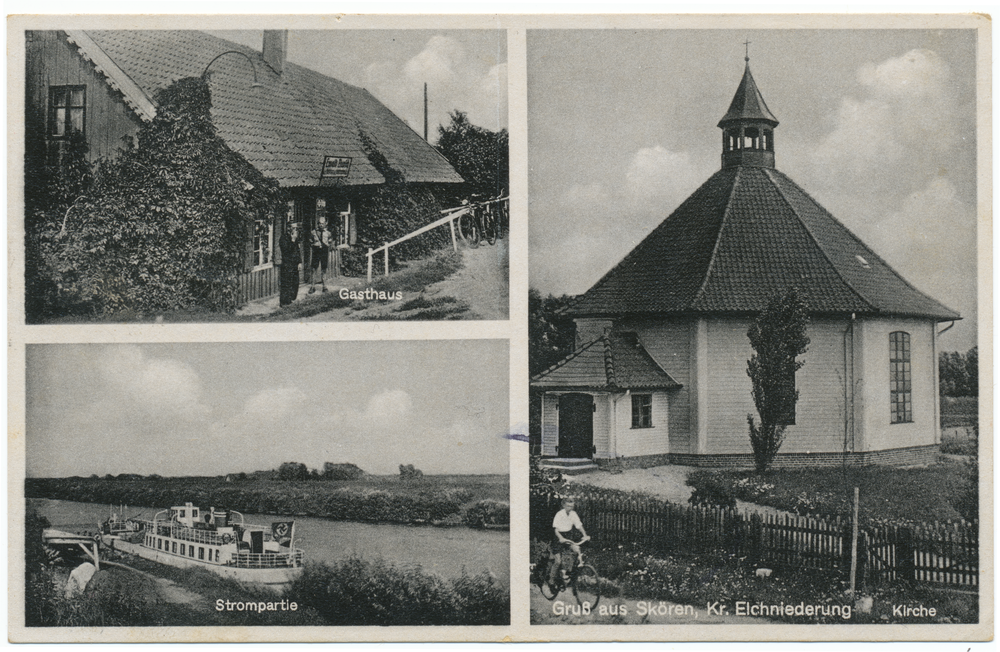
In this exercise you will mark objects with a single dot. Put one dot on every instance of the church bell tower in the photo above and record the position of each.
(748, 127)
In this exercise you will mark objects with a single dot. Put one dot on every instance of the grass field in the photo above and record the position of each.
(959, 411)
(886, 493)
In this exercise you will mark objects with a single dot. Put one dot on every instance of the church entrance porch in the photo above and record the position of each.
(576, 426)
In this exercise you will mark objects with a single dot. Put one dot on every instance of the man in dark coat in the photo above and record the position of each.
(291, 256)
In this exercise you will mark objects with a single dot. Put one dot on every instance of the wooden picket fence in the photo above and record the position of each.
(932, 553)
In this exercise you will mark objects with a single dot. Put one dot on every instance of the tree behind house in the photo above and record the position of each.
(778, 336)
(478, 154)
(958, 373)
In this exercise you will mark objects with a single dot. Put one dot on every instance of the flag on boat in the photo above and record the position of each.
(282, 532)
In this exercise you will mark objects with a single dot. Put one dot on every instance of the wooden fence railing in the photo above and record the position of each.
(450, 215)
(936, 553)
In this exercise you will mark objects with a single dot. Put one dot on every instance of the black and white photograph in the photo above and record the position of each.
(267, 484)
(753, 326)
(468, 325)
(268, 175)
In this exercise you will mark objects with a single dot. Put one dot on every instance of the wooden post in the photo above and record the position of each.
(854, 543)
(369, 264)
(386, 245)
(454, 242)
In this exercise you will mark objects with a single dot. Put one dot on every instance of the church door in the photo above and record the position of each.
(576, 425)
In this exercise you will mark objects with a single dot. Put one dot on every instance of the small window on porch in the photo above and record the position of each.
(642, 410)
(347, 229)
(263, 243)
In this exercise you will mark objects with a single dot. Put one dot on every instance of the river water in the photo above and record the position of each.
(442, 550)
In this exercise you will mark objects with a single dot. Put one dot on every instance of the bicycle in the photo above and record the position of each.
(584, 581)
(484, 221)
(469, 227)
(503, 217)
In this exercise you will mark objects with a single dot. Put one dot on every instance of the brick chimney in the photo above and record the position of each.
(275, 48)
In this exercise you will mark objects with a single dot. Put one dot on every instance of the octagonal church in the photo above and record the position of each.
(659, 371)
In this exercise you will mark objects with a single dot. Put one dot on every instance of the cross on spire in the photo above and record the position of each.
(747, 45)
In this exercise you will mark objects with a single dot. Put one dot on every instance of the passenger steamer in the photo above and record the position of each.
(188, 537)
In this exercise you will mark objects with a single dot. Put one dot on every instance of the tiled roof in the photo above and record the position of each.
(747, 234)
(612, 362)
(287, 126)
(748, 103)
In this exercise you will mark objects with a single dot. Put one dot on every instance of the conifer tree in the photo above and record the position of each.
(778, 337)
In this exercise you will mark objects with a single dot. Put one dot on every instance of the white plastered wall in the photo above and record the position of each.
(876, 430)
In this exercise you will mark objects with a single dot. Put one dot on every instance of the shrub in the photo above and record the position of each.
(966, 502)
(333, 471)
(124, 597)
(407, 472)
(482, 600)
(488, 512)
(165, 225)
(360, 592)
(713, 494)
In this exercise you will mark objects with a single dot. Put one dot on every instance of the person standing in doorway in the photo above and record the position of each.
(291, 256)
(320, 239)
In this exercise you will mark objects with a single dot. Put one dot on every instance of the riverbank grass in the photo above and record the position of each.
(431, 499)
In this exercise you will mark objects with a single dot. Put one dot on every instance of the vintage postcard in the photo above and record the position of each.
(500, 328)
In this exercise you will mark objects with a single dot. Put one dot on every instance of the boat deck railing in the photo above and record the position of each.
(182, 533)
(291, 559)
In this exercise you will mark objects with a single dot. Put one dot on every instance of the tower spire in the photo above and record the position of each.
(748, 126)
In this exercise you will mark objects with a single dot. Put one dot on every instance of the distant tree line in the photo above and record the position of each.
(331, 471)
(958, 374)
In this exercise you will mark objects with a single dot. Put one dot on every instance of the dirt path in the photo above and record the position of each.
(624, 611)
(478, 290)
(169, 590)
(482, 282)
(668, 482)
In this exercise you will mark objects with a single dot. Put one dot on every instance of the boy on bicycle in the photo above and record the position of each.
(569, 534)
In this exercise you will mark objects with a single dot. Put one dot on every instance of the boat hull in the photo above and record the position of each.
(276, 579)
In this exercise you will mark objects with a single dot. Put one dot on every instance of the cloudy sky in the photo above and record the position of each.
(877, 125)
(464, 69)
(210, 409)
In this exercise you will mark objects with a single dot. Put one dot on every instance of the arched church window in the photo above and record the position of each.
(769, 140)
(900, 381)
(751, 138)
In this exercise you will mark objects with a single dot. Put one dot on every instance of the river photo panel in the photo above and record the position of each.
(308, 484)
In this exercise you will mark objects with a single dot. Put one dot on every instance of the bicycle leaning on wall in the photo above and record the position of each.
(489, 220)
